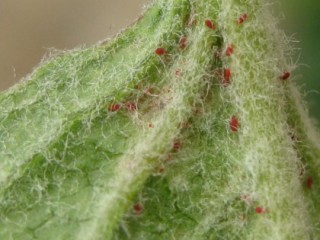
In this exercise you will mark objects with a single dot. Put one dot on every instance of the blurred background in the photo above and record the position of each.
(29, 28)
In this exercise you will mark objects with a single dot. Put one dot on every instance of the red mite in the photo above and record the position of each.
(114, 107)
(192, 21)
(183, 42)
(245, 198)
(242, 18)
(176, 145)
(160, 51)
(131, 106)
(309, 182)
(178, 72)
(169, 158)
(226, 76)
(285, 76)
(234, 124)
(148, 90)
(138, 208)
(210, 24)
(260, 210)
(229, 50)
(217, 55)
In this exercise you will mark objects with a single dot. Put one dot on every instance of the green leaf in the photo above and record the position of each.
(124, 141)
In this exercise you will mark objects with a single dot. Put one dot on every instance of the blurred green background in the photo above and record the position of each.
(29, 27)
(302, 21)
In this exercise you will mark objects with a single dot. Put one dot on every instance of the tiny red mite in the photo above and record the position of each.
(309, 182)
(234, 124)
(149, 91)
(242, 18)
(184, 125)
(192, 21)
(226, 76)
(245, 198)
(301, 171)
(229, 50)
(285, 76)
(178, 72)
(114, 107)
(131, 106)
(160, 51)
(260, 210)
(176, 145)
(217, 55)
(210, 24)
(183, 42)
(169, 158)
(138, 208)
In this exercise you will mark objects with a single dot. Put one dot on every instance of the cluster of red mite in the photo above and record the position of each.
(128, 105)
(226, 80)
